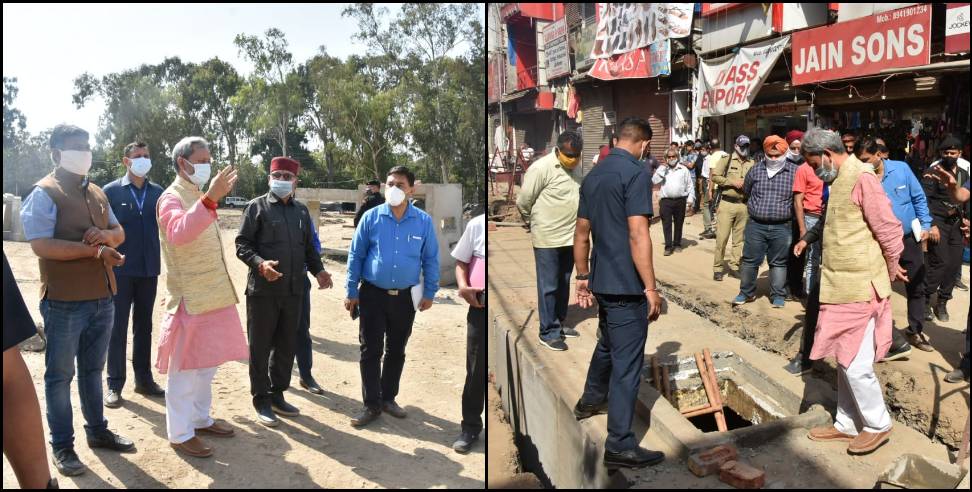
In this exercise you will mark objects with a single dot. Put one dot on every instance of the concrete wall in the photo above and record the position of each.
(330, 195)
(13, 228)
(444, 203)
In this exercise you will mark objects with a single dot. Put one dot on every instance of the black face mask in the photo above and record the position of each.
(949, 163)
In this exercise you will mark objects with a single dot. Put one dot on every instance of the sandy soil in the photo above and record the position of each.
(317, 449)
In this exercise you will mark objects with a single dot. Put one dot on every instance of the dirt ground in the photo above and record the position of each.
(319, 448)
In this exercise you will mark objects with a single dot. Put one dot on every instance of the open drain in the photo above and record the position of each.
(747, 396)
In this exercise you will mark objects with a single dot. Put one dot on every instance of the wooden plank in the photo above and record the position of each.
(655, 374)
(710, 370)
(710, 393)
(666, 383)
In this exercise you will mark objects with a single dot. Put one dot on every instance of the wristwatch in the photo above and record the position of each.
(582, 276)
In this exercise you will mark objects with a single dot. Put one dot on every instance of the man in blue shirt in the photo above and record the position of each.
(133, 198)
(615, 206)
(392, 243)
(908, 203)
(304, 352)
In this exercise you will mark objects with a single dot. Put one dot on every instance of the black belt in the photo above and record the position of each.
(811, 214)
(391, 292)
(731, 199)
(770, 222)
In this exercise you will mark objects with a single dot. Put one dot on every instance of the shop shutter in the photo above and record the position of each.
(638, 98)
(595, 133)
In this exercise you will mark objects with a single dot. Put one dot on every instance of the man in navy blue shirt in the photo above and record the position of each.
(133, 198)
(392, 243)
(615, 206)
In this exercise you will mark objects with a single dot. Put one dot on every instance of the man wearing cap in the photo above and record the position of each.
(727, 177)
(276, 241)
(945, 251)
(769, 189)
(371, 200)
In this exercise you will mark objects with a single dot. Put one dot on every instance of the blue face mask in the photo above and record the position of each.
(281, 188)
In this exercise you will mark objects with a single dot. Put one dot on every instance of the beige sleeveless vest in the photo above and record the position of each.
(852, 258)
(196, 272)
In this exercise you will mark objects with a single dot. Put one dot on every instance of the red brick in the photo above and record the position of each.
(492, 227)
(742, 476)
(707, 462)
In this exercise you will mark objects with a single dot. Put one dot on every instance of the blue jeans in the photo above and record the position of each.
(305, 357)
(811, 272)
(81, 330)
(553, 288)
(770, 241)
(616, 364)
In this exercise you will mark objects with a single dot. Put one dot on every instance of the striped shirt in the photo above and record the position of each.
(770, 199)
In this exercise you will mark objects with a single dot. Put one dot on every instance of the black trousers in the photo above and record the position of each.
(474, 391)
(383, 314)
(913, 261)
(271, 330)
(943, 259)
(140, 292)
(795, 264)
(673, 214)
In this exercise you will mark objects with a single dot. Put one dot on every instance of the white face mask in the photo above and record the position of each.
(76, 161)
(394, 196)
(141, 166)
(281, 188)
(200, 174)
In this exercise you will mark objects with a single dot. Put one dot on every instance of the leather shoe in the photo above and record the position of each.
(465, 442)
(865, 442)
(150, 389)
(584, 410)
(67, 463)
(366, 416)
(957, 376)
(310, 385)
(393, 409)
(632, 458)
(193, 447)
(109, 440)
(219, 429)
(919, 341)
(829, 433)
(281, 406)
(113, 399)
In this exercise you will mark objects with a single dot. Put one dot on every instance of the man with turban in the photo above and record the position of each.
(769, 189)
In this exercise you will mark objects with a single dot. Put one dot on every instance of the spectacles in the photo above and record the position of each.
(282, 175)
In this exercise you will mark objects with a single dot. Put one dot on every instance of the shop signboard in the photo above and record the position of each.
(957, 28)
(555, 48)
(732, 84)
(650, 61)
(894, 39)
(623, 27)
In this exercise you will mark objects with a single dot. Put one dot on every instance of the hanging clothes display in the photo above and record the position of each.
(573, 104)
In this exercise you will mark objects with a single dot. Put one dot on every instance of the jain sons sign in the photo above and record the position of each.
(894, 39)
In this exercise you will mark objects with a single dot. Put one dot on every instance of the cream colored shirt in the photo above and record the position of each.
(548, 202)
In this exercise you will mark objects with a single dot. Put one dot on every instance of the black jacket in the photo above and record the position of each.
(370, 202)
(273, 230)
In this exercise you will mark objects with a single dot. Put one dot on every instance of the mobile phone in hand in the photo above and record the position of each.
(355, 312)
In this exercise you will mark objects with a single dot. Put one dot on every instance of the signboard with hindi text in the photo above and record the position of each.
(894, 39)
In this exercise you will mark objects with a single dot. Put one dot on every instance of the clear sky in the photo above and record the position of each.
(47, 46)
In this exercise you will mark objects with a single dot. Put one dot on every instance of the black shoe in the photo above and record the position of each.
(799, 365)
(940, 312)
(632, 458)
(570, 332)
(109, 440)
(310, 385)
(895, 353)
(668, 251)
(465, 442)
(718, 276)
(113, 399)
(957, 376)
(67, 462)
(365, 417)
(558, 344)
(928, 310)
(279, 405)
(265, 413)
(960, 285)
(150, 389)
(583, 410)
(393, 408)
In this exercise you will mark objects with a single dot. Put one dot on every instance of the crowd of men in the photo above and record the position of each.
(100, 254)
(834, 218)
